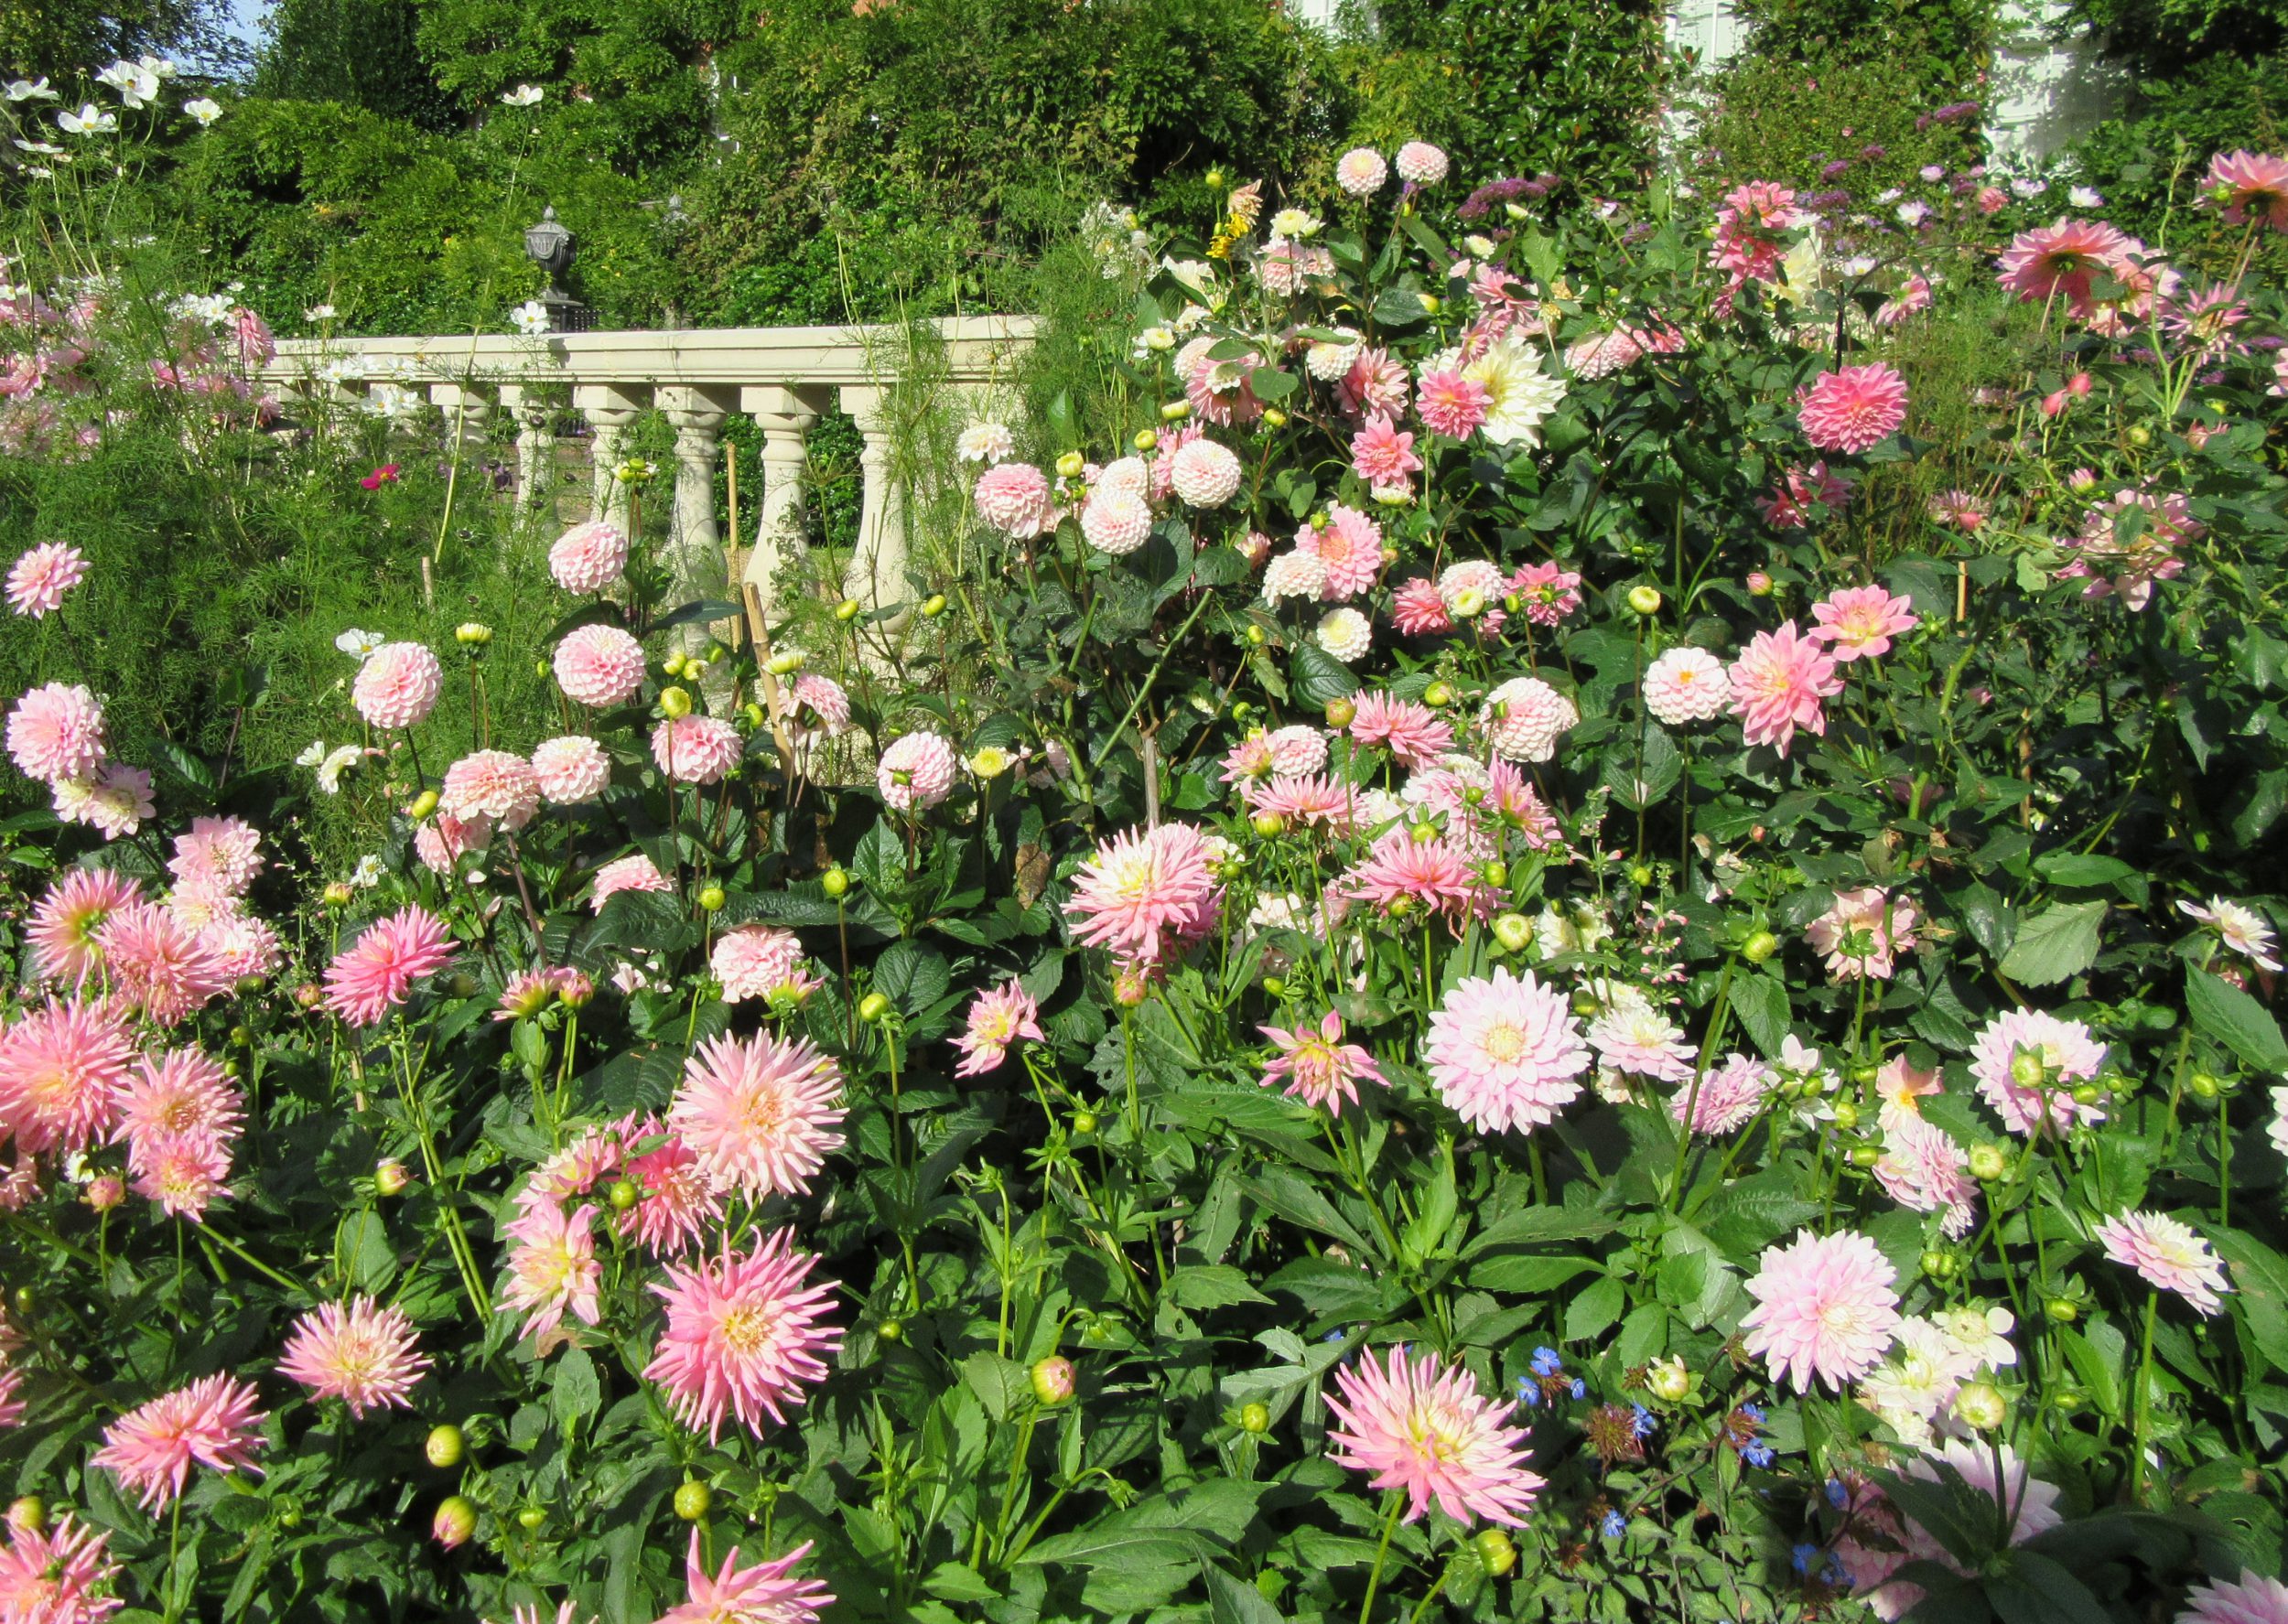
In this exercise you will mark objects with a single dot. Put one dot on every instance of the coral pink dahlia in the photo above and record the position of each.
(368, 980)
(1416, 1424)
(1777, 684)
(56, 731)
(760, 1114)
(1000, 1018)
(588, 557)
(1413, 733)
(61, 1068)
(1504, 1051)
(2248, 184)
(178, 1091)
(358, 1352)
(1730, 1096)
(552, 1267)
(758, 1595)
(1146, 894)
(2063, 259)
(398, 684)
(1524, 717)
(635, 873)
(1318, 1067)
(1859, 622)
(1853, 408)
(64, 925)
(744, 1336)
(758, 960)
(44, 578)
(2167, 1254)
(158, 964)
(57, 1575)
(1862, 931)
(213, 1422)
(1824, 1309)
(599, 666)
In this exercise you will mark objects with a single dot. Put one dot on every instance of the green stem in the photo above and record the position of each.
(2142, 1410)
(1389, 1527)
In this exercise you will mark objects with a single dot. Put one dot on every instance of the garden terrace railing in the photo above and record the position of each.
(784, 378)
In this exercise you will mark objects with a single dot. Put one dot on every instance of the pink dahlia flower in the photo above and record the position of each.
(1015, 499)
(2031, 1502)
(571, 769)
(1116, 521)
(636, 873)
(1402, 877)
(821, 709)
(1549, 592)
(1468, 589)
(2126, 559)
(1923, 1170)
(1524, 717)
(1349, 549)
(1860, 933)
(676, 1203)
(1381, 455)
(744, 1336)
(588, 557)
(1685, 684)
(1296, 749)
(213, 1422)
(760, 1114)
(1601, 355)
(2027, 1062)
(218, 854)
(177, 1092)
(1418, 610)
(693, 750)
(56, 1575)
(114, 802)
(599, 666)
(61, 1068)
(242, 947)
(397, 686)
(1776, 686)
(1416, 1424)
(158, 964)
(64, 925)
(916, 772)
(44, 578)
(2256, 1600)
(1801, 489)
(2249, 184)
(1633, 1034)
(1204, 474)
(1421, 164)
(1452, 404)
(368, 980)
(2167, 1254)
(758, 1595)
(1309, 800)
(1824, 1309)
(1859, 622)
(758, 960)
(551, 1268)
(2063, 259)
(1413, 733)
(184, 1173)
(1146, 894)
(358, 1352)
(998, 1019)
(1853, 408)
(56, 731)
(492, 784)
(1505, 1052)
(1376, 382)
(1360, 172)
(1729, 1096)
(442, 839)
(1318, 1067)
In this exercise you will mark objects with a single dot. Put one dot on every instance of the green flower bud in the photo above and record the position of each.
(934, 606)
(1989, 1161)
(2063, 1310)
(710, 898)
(624, 1195)
(1759, 947)
(892, 1330)
(1514, 932)
(422, 805)
(531, 1518)
(1981, 1404)
(873, 1006)
(1083, 1122)
(1254, 1419)
(455, 1521)
(1053, 1380)
(786, 662)
(445, 1447)
(1175, 410)
(1437, 695)
(834, 882)
(390, 1178)
(27, 1513)
(674, 702)
(1496, 1549)
(692, 1500)
(1645, 600)
(849, 609)
(1340, 713)
(1145, 439)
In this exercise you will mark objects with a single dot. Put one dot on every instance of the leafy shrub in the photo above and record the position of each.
(2150, 161)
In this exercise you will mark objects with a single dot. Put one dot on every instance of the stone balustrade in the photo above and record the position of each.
(782, 377)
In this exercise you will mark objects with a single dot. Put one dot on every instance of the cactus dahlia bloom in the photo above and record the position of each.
(1854, 407)
(588, 557)
(2256, 1600)
(758, 1595)
(744, 1336)
(1728, 1096)
(1416, 1424)
(64, 925)
(552, 1267)
(176, 1093)
(1923, 1170)
(57, 1575)
(1776, 686)
(916, 772)
(398, 684)
(998, 1019)
(2027, 1062)
(62, 1070)
(1504, 1051)
(759, 1114)
(2167, 1256)
(158, 964)
(1317, 1066)
(44, 578)
(213, 1422)
(1824, 1309)
(1413, 733)
(2249, 184)
(358, 1352)
(1146, 894)
(368, 980)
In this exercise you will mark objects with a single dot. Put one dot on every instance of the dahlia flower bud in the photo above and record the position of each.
(472, 634)
(1988, 1161)
(455, 1521)
(105, 1191)
(445, 1446)
(1667, 1379)
(1494, 1547)
(28, 1514)
(390, 1178)
(1053, 1380)
(674, 702)
(1645, 600)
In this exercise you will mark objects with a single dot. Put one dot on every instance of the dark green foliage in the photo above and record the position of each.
(62, 38)
(361, 53)
(2165, 143)
(1789, 121)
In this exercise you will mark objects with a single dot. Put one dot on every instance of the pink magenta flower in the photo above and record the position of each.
(1421, 164)
(1777, 684)
(213, 1422)
(588, 557)
(1923, 1170)
(1413, 733)
(44, 578)
(366, 982)
(571, 769)
(56, 731)
(1686, 684)
(358, 1352)
(998, 1019)
(1524, 717)
(158, 964)
(551, 1268)
(1015, 500)
(1505, 1052)
(64, 925)
(1402, 876)
(1859, 622)
(1418, 610)
(220, 854)
(2063, 259)
(1551, 592)
(1381, 454)
(114, 802)
(1852, 408)
(1305, 799)
(1348, 547)
(1416, 1424)
(2256, 1600)
(1360, 172)
(758, 1595)
(2031, 1502)
(760, 1114)
(184, 1173)
(1203, 474)
(599, 666)
(492, 784)
(916, 772)
(1601, 355)
(384, 475)
(636, 873)
(1318, 1067)
(744, 1336)
(61, 1068)
(1452, 404)
(57, 1575)
(2247, 183)
(529, 992)
(1376, 382)
(178, 1091)
(1860, 933)
(397, 686)
(1791, 507)
(1824, 1309)
(443, 840)
(1729, 1096)
(2167, 1254)
(1146, 894)
(2027, 1062)
(676, 1202)
(694, 750)
(758, 960)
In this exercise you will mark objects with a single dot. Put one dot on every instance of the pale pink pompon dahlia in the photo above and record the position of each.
(693, 749)
(760, 1114)
(635, 873)
(2027, 1062)
(758, 1595)
(999, 1020)
(1505, 1051)
(744, 1336)
(55, 732)
(916, 772)
(1852, 408)
(492, 784)
(571, 769)
(213, 1422)
(599, 666)
(57, 1575)
(758, 961)
(1685, 685)
(367, 980)
(2167, 1256)
(1776, 686)
(1824, 1309)
(398, 684)
(1415, 1425)
(588, 557)
(44, 578)
(1360, 172)
(1421, 164)
(1146, 894)
(1524, 717)
(358, 1352)
(1015, 500)
(2256, 1600)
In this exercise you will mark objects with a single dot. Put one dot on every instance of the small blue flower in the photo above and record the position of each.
(1581, 1388)
(1529, 1393)
(1547, 1361)
(1838, 1496)
(1642, 1422)
(1332, 1337)
(1757, 1454)
(1803, 1556)
(1614, 1526)
(1753, 1412)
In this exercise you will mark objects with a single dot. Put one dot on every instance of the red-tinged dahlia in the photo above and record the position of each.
(185, 1173)
(1382, 455)
(63, 932)
(571, 769)
(1417, 609)
(1791, 507)
(2258, 1598)
(694, 750)
(998, 1019)
(1319, 799)
(44, 578)
(2063, 259)
(2027, 1062)
(367, 980)
(1824, 1309)
(1852, 408)
(178, 1091)
(1412, 732)
(57, 1575)
(1349, 546)
(1410, 878)
(214, 1423)
(1015, 499)
(1859, 622)
(1777, 684)
(637, 873)
(599, 666)
(1416, 1424)
(1317, 1067)
(1862, 931)
(758, 1595)
(744, 1336)
(1686, 684)
(2248, 186)
(1146, 894)
(442, 839)
(1729, 1096)
(676, 1203)
(1923, 1170)
(2167, 1254)
(61, 1068)
(221, 855)
(1524, 717)
(398, 684)
(1504, 1051)
(760, 1114)
(359, 1352)
(758, 961)
(55, 732)
(1551, 592)
(917, 771)
(492, 784)
(588, 557)
(552, 1267)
